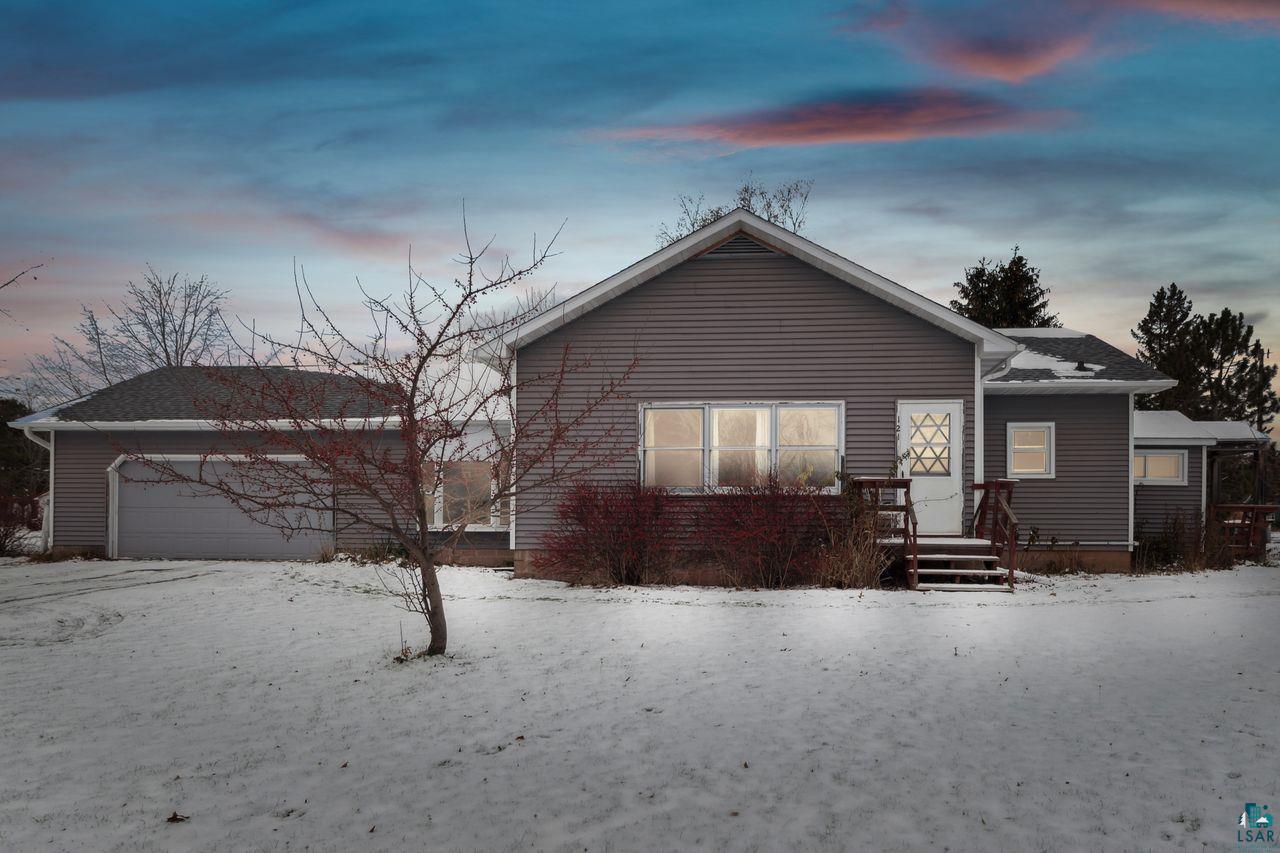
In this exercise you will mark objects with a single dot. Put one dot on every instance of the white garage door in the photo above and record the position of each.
(173, 520)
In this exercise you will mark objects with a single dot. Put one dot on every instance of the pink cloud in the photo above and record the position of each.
(864, 117)
(1214, 10)
(1009, 59)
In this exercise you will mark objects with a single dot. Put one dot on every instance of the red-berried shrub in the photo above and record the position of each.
(767, 535)
(611, 533)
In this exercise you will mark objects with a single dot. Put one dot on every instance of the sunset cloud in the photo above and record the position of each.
(1012, 60)
(1214, 10)
(855, 117)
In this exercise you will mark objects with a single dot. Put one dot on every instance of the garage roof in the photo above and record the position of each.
(186, 397)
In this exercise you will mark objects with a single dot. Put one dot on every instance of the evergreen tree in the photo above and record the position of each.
(1166, 341)
(1237, 382)
(1221, 367)
(1004, 295)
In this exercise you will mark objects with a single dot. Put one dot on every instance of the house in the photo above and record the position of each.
(754, 349)
(757, 349)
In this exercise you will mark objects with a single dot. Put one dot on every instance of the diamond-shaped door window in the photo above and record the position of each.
(929, 445)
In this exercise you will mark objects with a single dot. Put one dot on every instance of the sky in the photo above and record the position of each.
(1123, 144)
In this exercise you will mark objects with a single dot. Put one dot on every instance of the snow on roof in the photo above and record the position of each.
(1233, 431)
(1168, 426)
(1058, 332)
(1073, 360)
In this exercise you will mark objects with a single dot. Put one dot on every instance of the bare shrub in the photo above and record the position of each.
(611, 534)
(14, 537)
(854, 555)
(767, 535)
(1182, 544)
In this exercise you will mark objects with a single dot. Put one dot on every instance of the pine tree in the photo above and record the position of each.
(1166, 340)
(1221, 367)
(1004, 295)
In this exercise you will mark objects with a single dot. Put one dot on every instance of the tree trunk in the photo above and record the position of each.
(435, 608)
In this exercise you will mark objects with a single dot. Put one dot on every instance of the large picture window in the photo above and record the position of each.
(1160, 467)
(463, 494)
(1031, 450)
(692, 446)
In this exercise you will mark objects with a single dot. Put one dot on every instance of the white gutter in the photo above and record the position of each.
(1082, 386)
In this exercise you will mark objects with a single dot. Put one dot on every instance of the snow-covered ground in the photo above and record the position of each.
(1107, 713)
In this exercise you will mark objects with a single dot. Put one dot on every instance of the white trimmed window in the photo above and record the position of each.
(464, 493)
(1160, 467)
(1031, 452)
(694, 446)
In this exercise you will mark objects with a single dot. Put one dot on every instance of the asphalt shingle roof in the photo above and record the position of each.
(195, 393)
(1114, 364)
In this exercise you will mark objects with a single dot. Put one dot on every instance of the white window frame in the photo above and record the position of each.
(1051, 450)
(495, 524)
(774, 407)
(1160, 481)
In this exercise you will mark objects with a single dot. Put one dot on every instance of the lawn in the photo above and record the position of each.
(260, 700)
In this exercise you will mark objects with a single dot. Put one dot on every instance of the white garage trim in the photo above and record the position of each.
(113, 482)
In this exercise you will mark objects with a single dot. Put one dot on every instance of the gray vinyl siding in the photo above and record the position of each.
(81, 495)
(1153, 504)
(80, 479)
(1088, 498)
(760, 329)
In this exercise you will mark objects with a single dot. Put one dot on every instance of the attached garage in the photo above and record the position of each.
(151, 519)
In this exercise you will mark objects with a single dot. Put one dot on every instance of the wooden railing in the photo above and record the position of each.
(1242, 528)
(995, 520)
(880, 496)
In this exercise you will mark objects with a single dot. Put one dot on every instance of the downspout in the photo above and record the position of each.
(46, 521)
(980, 417)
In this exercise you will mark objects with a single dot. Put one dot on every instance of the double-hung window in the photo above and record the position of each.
(672, 447)
(1160, 467)
(1031, 450)
(691, 446)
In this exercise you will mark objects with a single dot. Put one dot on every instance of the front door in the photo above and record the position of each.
(931, 450)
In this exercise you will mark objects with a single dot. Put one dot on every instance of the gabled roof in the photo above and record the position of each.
(992, 345)
(1051, 360)
(183, 397)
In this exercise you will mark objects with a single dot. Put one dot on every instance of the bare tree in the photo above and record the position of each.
(367, 428)
(162, 322)
(784, 205)
(14, 280)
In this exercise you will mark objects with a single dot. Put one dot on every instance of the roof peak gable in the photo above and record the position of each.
(992, 345)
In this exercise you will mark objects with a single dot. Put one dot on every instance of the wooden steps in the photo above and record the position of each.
(964, 587)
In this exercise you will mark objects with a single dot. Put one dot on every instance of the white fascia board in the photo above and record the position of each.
(1086, 386)
(991, 344)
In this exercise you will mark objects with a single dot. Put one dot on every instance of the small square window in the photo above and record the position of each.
(1031, 450)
